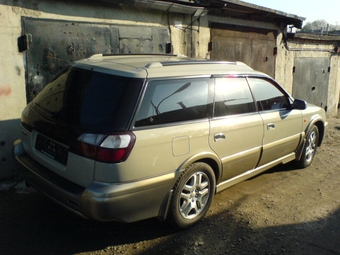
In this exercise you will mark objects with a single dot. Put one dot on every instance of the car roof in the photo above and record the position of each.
(161, 65)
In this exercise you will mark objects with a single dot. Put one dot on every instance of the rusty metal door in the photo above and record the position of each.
(311, 78)
(254, 47)
(56, 43)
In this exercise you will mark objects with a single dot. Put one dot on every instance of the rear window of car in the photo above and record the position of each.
(90, 99)
(169, 101)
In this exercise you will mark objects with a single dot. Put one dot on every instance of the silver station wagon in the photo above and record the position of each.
(131, 137)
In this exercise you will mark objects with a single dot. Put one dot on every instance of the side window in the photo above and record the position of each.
(232, 96)
(267, 95)
(174, 100)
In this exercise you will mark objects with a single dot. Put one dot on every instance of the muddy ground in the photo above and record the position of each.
(282, 211)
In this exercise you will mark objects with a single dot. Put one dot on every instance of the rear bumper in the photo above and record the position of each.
(127, 202)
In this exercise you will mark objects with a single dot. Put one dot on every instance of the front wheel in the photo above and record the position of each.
(193, 194)
(309, 149)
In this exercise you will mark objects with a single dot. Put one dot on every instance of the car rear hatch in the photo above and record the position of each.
(79, 118)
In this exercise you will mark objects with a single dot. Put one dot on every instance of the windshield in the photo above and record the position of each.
(90, 99)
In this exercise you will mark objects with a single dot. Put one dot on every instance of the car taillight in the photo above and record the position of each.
(111, 148)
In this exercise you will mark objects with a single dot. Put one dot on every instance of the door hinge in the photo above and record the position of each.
(24, 42)
(210, 46)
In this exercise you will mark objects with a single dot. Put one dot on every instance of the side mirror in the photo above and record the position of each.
(299, 104)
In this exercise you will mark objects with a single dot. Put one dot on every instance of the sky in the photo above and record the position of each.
(310, 9)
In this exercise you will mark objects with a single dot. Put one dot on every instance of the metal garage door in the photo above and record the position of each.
(255, 47)
(56, 43)
(311, 78)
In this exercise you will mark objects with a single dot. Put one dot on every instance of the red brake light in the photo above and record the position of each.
(112, 155)
(113, 148)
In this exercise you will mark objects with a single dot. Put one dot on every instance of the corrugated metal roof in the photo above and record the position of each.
(234, 8)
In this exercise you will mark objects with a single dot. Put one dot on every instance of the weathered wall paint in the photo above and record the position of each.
(5, 90)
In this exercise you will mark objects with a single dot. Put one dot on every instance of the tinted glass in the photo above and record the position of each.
(268, 95)
(232, 96)
(173, 101)
(90, 99)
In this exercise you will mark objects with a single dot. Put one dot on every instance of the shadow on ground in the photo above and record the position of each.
(32, 224)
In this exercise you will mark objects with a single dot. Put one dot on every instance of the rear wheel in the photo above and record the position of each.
(309, 150)
(193, 194)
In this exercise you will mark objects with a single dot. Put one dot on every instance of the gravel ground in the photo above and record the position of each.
(282, 211)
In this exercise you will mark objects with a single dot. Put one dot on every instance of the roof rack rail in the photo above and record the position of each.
(140, 54)
(98, 55)
(198, 62)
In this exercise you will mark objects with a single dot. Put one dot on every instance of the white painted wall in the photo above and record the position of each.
(12, 85)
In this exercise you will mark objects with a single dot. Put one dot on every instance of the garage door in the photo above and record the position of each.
(255, 47)
(311, 78)
(56, 43)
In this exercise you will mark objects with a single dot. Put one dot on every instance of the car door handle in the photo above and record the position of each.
(219, 137)
(270, 126)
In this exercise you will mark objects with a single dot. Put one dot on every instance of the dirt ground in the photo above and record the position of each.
(282, 211)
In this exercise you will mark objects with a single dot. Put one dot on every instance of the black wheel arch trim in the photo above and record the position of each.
(320, 124)
(206, 157)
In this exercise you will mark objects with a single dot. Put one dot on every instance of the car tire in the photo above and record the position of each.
(193, 194)
(310, 147)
